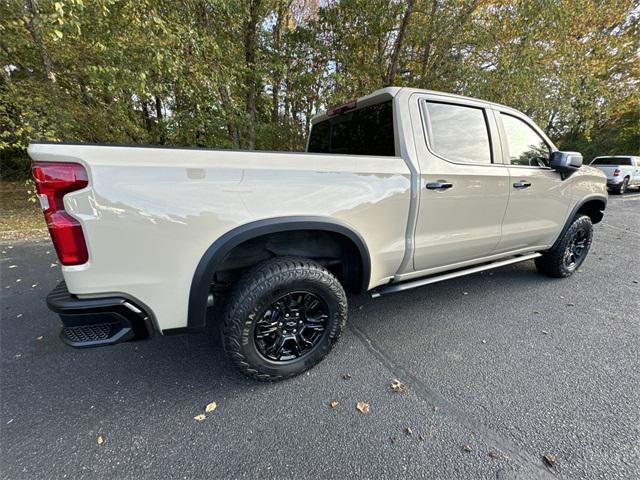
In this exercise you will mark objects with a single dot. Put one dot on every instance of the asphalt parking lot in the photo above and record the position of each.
(510, 364)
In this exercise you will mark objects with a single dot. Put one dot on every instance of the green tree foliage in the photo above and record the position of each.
(251, 73)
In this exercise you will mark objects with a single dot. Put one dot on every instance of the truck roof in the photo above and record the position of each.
(390, 92)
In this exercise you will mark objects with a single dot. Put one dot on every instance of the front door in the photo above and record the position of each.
(464, 185)
(539, 199)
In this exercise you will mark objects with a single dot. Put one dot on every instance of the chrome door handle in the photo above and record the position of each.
(439, 185)
(521, 184)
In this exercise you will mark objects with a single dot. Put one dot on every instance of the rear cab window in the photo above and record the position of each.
(614, 161)
(365, 131)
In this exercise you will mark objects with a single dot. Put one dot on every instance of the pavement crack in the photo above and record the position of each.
(444, 406)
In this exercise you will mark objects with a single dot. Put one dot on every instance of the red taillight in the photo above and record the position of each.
(53, 182)
(616, 173)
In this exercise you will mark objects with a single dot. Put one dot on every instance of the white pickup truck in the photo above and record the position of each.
(622, 171)
(398, 189)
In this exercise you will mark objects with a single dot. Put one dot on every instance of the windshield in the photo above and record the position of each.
(611, 161)
(367, 131)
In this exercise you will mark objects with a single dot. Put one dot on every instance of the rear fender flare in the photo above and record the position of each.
(216, 253)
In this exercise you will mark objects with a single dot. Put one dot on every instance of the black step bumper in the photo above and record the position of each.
(96, 322)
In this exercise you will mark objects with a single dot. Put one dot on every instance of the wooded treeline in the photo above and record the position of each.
(251, 73)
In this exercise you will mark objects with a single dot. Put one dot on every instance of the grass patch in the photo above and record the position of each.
(20, 219)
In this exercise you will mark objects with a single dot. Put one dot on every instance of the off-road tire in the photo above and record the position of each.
(552, 262)
(255, 291)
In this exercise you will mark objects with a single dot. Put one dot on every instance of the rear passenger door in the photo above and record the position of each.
(539, 199)
(464, 186)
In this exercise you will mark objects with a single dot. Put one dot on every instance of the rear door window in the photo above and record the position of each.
(458, 133)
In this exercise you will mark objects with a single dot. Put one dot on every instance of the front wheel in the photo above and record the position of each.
(283, 317)
(569, 252)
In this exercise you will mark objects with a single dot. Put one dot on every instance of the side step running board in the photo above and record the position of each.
(399, 287)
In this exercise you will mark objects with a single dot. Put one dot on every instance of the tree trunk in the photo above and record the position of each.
(250, 50)
(228, 109)
(159, 118)
(427, 48)
(32, 7)
(277, 77)
(397, 47)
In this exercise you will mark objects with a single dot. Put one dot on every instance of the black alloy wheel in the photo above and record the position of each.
(292, 326)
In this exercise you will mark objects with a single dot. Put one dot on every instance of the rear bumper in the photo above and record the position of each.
(97, 322)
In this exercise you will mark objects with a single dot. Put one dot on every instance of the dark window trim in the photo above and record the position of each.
(506, 140)
(425, 111)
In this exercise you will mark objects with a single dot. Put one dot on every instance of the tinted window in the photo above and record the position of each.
(458, 133)
(367, 131)
(526, 147)
(611, 161)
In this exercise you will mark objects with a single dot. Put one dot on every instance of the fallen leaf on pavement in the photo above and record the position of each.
(211, 407)
(100, 440)
(408, 430)
(496, 455)
(467, 448)
(333, 403)
(362, 407)
(550, 458)
(398, 387)
(200, 417)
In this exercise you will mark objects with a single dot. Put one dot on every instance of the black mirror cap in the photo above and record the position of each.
(565, 162)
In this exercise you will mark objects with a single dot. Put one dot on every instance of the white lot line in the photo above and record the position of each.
(633, 197)
(621, 229)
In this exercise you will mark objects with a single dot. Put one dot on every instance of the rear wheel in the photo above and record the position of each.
(569, 253)
(622, 188)
(283, 317)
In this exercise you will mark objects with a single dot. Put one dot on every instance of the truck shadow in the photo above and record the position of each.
(437, 309)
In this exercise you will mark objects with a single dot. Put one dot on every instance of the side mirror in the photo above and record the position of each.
(565, 162)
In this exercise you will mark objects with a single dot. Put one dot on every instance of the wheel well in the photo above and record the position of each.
(594, 209)
(329, 242)
(337, 252)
